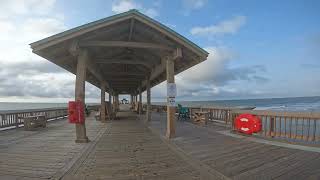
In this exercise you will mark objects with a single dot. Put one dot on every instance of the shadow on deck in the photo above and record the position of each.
(127, 149)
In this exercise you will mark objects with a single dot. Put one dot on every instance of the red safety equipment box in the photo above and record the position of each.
(76, 112)
(248, 124)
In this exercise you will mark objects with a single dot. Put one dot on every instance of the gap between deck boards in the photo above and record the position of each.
(274, 143)
(206, 172)
(76, 162)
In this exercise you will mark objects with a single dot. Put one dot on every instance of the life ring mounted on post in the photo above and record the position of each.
(248, 124)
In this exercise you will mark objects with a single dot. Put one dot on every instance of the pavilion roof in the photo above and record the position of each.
(124, 50)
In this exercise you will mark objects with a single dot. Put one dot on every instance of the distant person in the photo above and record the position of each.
(87, 110)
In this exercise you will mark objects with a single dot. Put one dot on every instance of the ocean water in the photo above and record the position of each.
(305, 104)
(301, 104)
(20, 106)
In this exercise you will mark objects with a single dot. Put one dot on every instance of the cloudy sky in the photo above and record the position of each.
(257, 49)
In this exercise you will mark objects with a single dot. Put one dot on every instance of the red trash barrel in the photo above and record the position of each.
(76, 112)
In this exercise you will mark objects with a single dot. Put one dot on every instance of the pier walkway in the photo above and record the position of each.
(128, 149)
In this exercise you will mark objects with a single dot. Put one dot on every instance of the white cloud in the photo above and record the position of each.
(120, 6)
(42, 27)
(152, 12)
(5, 28)
(21, 7)
(22, 73)
(124, 5)
(192, 5)
(230, 26)
(212, 68)
(26, 22)
(213, 77)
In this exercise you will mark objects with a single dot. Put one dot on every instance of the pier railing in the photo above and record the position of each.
(298, 126)
(292, 126)
(14, 118)
(219, 114)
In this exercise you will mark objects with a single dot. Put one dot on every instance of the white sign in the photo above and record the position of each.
(171, 90)
(171, 101)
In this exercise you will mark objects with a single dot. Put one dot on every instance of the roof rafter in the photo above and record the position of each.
(124, 44)
(131, 29)
(123, 61)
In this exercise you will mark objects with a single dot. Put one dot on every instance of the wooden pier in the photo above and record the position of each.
(127, 148)
(130, 53)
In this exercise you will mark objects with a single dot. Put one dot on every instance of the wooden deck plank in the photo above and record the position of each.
(41, 153)
(133, 153)
(238, 158)
(306, 170)
(126, 149)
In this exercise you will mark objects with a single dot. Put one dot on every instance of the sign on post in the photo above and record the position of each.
(171, 101)
(171, 94)
(171, 90)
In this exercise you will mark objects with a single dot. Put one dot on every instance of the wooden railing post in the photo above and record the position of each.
(231, 120)
(2, 120)
(16, 120)
(271, 130)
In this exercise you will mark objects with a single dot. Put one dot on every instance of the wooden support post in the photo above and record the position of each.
(132, 102)
(140, 101)
(110, 111)
(135, 103)
(81, 136)
(110, 101)
(148, 100)
(170, 109)
(116, 102)
(103, 103)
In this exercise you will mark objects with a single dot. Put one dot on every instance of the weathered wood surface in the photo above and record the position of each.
(44, 153)
(14, 118)
(293, 127)
(33, 122)
(238, 158)
(128, 150)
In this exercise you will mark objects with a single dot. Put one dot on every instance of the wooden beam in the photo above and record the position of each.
(123, 61)
(124, 85)
(103, 103)
(123, 74)
(131, 29)
(81, 136)
(125, 44)
(193, 48)
(75, 50)
(127, 78)
(158, 70)
(39, 45)
(140, 101)
(171, 110)
(148, 100)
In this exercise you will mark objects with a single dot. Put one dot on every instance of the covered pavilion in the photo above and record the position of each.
(127, 53)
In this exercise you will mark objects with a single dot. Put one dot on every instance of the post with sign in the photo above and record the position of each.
(81, 135)
(103, 103)
(148, 100)
(171, 96)
(140, 101)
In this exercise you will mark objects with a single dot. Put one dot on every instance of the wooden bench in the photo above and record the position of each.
(32, 122)
(201, 117)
